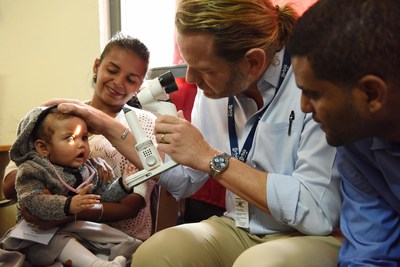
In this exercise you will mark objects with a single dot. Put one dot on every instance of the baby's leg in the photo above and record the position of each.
(75, 254)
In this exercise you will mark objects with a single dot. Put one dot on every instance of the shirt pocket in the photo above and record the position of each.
(274, 150)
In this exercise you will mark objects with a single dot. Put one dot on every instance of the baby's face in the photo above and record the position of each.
(69, 144)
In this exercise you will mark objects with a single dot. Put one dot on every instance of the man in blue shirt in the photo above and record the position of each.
(345, 56)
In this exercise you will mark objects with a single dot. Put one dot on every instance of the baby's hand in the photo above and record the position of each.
(106, 174)
(83, 201)
(129, 170)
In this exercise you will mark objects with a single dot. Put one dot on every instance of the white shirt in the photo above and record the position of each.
(302, 186)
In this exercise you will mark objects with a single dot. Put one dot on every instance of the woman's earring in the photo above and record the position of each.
(95, 77)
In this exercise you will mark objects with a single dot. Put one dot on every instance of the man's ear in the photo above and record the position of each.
(375, 91)
(41, 147)
(256, 61)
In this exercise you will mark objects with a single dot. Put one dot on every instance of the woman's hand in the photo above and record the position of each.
(43, 224)
(97, 120)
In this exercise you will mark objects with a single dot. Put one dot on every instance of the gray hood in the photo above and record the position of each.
(23, 148)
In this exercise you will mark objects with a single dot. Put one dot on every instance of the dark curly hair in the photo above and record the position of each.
(345, 40)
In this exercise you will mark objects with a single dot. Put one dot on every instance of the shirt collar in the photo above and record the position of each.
(271, 76)
(391, 147)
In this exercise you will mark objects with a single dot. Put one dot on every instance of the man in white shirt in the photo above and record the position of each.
(250, 135)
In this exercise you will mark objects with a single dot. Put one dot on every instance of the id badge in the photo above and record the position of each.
(241, 212)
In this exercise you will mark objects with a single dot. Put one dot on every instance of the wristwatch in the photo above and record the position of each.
(218, 164)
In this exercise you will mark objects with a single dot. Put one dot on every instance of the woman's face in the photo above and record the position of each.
(119, 76)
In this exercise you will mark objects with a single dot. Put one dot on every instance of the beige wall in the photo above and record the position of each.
(47, 49)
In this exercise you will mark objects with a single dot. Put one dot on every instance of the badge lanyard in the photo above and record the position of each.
(241, 206)
(231, 119)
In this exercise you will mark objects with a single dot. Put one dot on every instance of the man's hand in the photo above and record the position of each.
(181, 140)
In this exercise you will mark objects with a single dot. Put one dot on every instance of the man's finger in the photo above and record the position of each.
(181, 115)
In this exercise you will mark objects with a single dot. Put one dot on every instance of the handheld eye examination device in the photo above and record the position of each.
(153, 97)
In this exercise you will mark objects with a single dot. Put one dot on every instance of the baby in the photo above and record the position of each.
(56, 180)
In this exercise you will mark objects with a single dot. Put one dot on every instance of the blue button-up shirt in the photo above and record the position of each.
(370, 217)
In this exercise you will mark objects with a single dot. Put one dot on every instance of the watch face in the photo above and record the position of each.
(219, 162)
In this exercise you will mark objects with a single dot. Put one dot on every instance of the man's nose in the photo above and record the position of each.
(192, 76)
(306, 105)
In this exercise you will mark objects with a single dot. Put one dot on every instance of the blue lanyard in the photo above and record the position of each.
(242, 155)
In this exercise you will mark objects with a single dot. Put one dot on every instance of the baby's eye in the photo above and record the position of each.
(70, 138)
(85, 138)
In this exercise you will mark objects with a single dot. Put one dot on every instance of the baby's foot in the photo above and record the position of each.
(119, 261)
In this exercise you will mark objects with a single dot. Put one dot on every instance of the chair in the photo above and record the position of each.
(8, 209)
(8, 214)
(4, 202)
